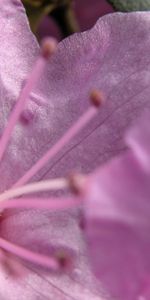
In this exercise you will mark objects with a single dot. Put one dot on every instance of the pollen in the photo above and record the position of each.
(97, 97)
(48, 47)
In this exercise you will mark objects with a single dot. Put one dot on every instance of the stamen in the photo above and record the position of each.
(42, 260)
(68, 136)
(48, 47)
(76, 182)
(45, 185)
(97, 97)
(40, 64)
(52, 204)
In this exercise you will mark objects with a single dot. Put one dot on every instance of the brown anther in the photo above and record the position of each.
(97, 97)
(48, 47)
(82, 224)
(76, 182)
(64, 259)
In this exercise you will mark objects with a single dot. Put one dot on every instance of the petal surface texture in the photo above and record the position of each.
(118, 227)
(111, 57)
(117, 219)
(104, 57)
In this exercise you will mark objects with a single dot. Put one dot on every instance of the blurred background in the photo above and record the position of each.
(60, 18)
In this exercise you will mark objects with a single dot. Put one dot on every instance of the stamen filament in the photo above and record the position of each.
(45, 185)
(65, 139)
(43, 260)
(32, 80)
(52, 204)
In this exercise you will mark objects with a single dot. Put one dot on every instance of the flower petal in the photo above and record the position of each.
(138, 139)
(39, 232)
(112, 63)
(81, 63)
(117, 227)
(17, 52)
(18, 48)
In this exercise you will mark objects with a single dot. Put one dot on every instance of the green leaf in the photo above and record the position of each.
(130, 5)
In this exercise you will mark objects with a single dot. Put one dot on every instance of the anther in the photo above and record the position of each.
(27, 116)
(76, 182)
(48, 47)
(97, 97)
(64, 260)
(82, 223)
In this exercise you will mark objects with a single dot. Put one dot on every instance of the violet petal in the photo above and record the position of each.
(81, 63)
(117, 227)
(138, 139)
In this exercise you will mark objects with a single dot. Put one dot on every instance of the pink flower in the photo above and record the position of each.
(117, 213)
(80, 64)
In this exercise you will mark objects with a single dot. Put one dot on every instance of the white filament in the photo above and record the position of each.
(41, 186)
